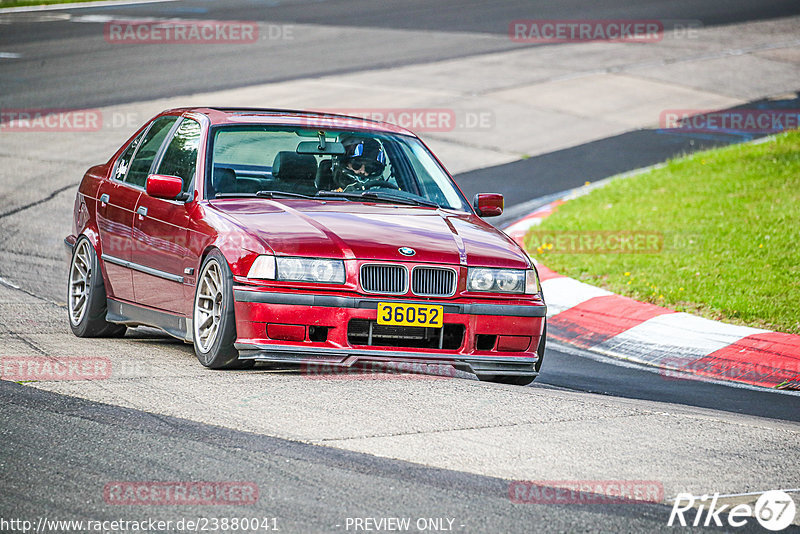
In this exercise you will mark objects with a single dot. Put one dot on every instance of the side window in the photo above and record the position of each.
(140, 166)
(124, 161)
(180, 158)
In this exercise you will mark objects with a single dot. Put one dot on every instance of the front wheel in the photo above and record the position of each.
(86, 295)
(213, 319)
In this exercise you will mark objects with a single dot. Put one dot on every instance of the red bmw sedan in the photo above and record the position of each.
(290, 236)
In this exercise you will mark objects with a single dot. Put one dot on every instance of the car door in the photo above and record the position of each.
(160, 229)
(115, 204)
(118, 198)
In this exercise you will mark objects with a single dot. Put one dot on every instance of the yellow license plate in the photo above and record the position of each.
(396, 314)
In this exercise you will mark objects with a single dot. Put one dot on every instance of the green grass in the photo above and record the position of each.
(730, 221)
(21, 3)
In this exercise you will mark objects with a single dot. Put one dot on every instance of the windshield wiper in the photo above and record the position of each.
(263, 194)
(381, 197)
(273, 194)
(400, 200)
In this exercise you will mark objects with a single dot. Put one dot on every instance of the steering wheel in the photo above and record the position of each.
(374, 184)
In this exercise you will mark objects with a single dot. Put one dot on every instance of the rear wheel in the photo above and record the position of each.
(214, 320)
(522, 380)
(86, 295)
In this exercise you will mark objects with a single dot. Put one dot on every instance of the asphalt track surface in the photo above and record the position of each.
(58, 451)
(309, 488)
(68, 64)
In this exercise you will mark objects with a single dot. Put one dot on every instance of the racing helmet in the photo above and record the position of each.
(364, 159)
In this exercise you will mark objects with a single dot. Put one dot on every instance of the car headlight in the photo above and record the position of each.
(298, 269)
(503, 280)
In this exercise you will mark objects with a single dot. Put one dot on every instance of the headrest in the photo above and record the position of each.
(324, 179)
(224, 174)
(293, 166)
(224, 181)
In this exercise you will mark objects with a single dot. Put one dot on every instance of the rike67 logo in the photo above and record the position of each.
(774, 510)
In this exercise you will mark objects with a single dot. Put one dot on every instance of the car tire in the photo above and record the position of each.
(522, 380)
(86, 294)
(213, 316)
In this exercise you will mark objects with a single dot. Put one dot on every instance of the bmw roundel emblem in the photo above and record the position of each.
(406, 251)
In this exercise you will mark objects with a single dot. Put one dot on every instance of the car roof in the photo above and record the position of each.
(291, 117)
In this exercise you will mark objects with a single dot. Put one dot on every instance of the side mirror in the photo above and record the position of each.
(163, 186)
(488, 204)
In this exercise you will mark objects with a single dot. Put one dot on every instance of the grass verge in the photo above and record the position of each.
(728, 223)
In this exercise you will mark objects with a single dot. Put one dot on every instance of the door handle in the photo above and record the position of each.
(104, 198)
(142, 211)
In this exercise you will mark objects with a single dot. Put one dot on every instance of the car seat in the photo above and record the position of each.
(296, 173)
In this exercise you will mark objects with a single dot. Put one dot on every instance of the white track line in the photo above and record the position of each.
(78, 5)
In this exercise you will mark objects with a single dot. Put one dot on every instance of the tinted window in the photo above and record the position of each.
(180, 158)
(124, 161)
(140, 167)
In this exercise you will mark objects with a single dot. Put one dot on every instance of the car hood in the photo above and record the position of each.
(353, 230)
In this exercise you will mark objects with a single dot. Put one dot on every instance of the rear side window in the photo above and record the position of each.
(140, 166)
(180, 158)
(124, 161)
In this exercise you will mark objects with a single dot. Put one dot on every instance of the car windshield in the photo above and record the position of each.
(359, 166)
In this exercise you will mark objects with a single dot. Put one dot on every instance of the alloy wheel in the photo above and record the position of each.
(80, 281)
(208, 306)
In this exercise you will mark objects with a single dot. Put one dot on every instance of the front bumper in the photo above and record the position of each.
(499, 337)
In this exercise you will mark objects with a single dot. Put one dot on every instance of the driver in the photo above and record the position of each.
(361, 165)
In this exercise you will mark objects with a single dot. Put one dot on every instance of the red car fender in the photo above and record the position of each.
(84, 220)
(217, 231)
(238, 251)
(90, 232)
(84, 217)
